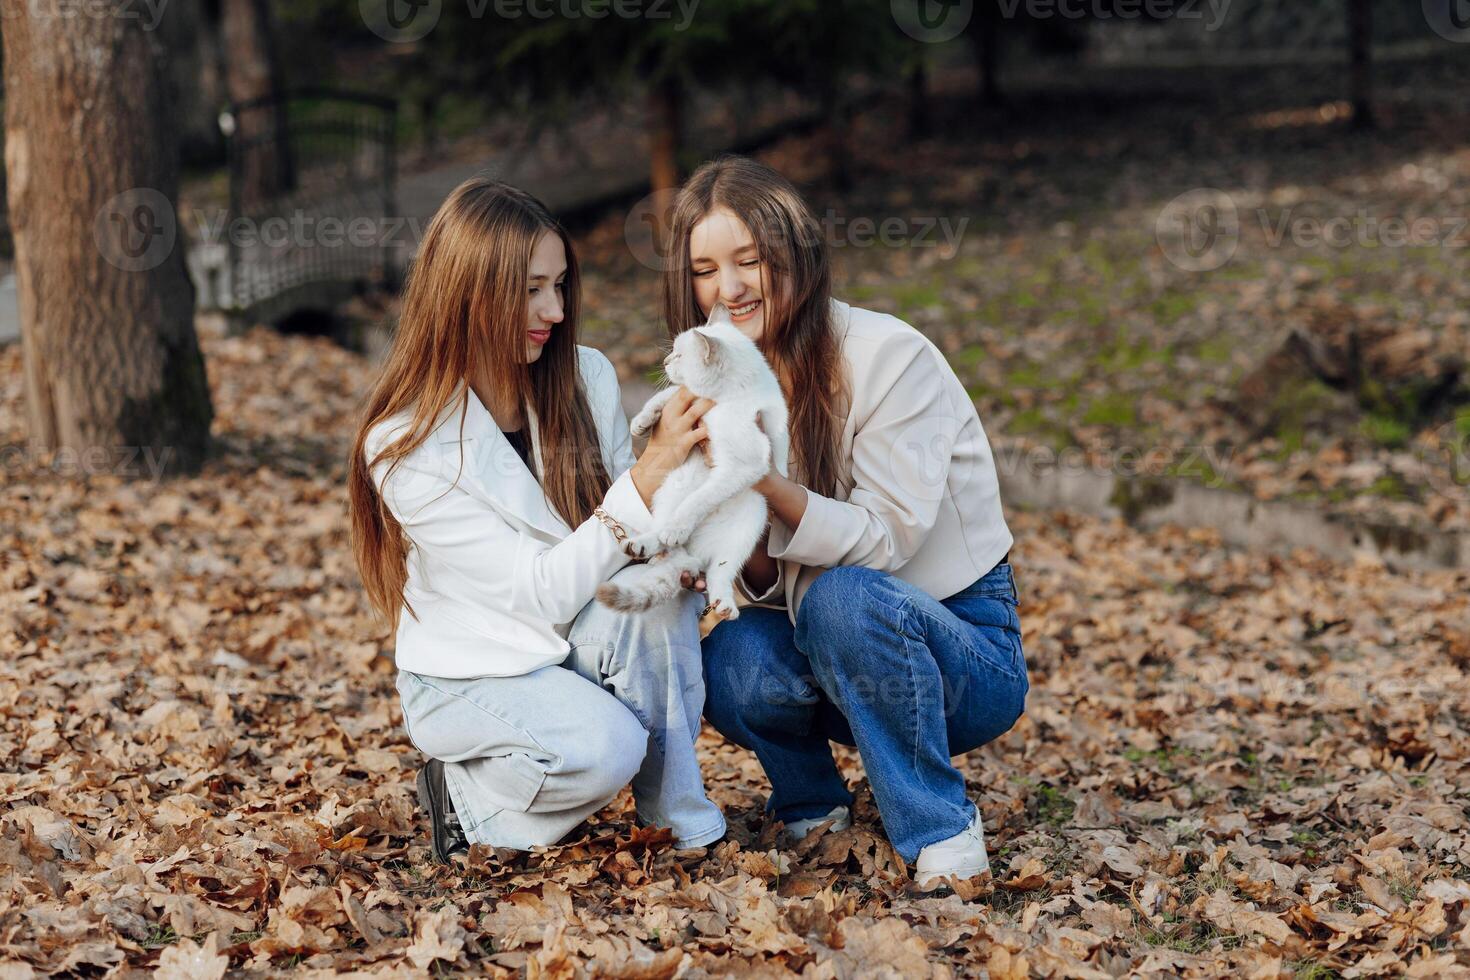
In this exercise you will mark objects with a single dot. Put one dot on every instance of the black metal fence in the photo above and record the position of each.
(312, 178)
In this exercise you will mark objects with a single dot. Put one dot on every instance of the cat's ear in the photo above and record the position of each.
(708, 349)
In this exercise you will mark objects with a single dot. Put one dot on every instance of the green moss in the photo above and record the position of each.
(1053, 806)
(1171, 307)
(1216, 350)
(968, 357)
(1386, 430)
(1116, 409)
(1034, 376)
(912, 297)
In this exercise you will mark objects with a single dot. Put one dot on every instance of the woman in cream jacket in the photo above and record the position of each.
(890, 619)
(493, 486)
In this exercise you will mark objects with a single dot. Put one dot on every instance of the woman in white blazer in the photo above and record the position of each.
(493, 486)
(890, 619)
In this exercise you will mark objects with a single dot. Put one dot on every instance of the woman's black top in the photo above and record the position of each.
(522, 446)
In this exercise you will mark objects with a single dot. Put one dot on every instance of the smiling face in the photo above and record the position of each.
(727, 267)
(546, 299)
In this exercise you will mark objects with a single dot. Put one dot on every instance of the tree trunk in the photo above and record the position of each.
(1360, 40)
(984, 35)
(666, 134)
(253, 71)
(920, 120)
(190, 34)
(114, 378)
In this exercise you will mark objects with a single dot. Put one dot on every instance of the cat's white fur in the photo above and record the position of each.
(706, 516)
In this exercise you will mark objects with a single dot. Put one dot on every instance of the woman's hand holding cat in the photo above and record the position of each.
(678, 431)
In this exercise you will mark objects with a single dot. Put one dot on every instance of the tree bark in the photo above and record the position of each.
(190, 33)
(1360, 40)
(666, 119)
(113, 372)
(984, 34)
(920, 120)
(253, 71)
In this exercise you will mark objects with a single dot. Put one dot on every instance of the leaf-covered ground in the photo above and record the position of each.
(1230, 763)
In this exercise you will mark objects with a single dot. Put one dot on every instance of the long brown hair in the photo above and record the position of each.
(796, 283)
(464, 315)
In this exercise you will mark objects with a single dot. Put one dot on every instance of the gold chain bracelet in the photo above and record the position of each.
(619, 532)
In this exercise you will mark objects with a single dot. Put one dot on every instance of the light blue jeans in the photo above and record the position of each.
(527, 758)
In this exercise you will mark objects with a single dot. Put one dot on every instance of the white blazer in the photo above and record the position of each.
(494, 574)
(917, 491)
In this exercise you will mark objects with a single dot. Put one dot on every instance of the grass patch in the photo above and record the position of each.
(1386, 430)
(1117, 409)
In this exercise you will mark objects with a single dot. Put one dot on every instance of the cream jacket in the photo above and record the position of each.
(495, 575)
(918, 495)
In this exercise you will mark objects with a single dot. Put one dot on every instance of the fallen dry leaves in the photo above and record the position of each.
(1230, 763)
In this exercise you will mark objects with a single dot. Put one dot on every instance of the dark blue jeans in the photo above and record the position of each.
(880, 664)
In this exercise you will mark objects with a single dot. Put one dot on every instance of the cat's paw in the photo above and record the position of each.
(674, 535)
(724, 608)
(644, 422)
(645, 545)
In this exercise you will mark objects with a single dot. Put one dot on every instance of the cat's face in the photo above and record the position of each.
(700, 356)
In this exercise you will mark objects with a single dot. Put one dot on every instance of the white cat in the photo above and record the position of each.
(706, 516)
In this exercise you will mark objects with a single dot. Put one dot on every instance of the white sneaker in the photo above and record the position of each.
(962, 856)
(840, 816)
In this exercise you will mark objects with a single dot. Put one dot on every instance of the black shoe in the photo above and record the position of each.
(445, 836)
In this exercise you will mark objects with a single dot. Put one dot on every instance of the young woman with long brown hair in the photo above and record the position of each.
(493, 488)
(890, 619)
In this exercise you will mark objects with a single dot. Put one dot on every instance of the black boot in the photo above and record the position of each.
(445, 836)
